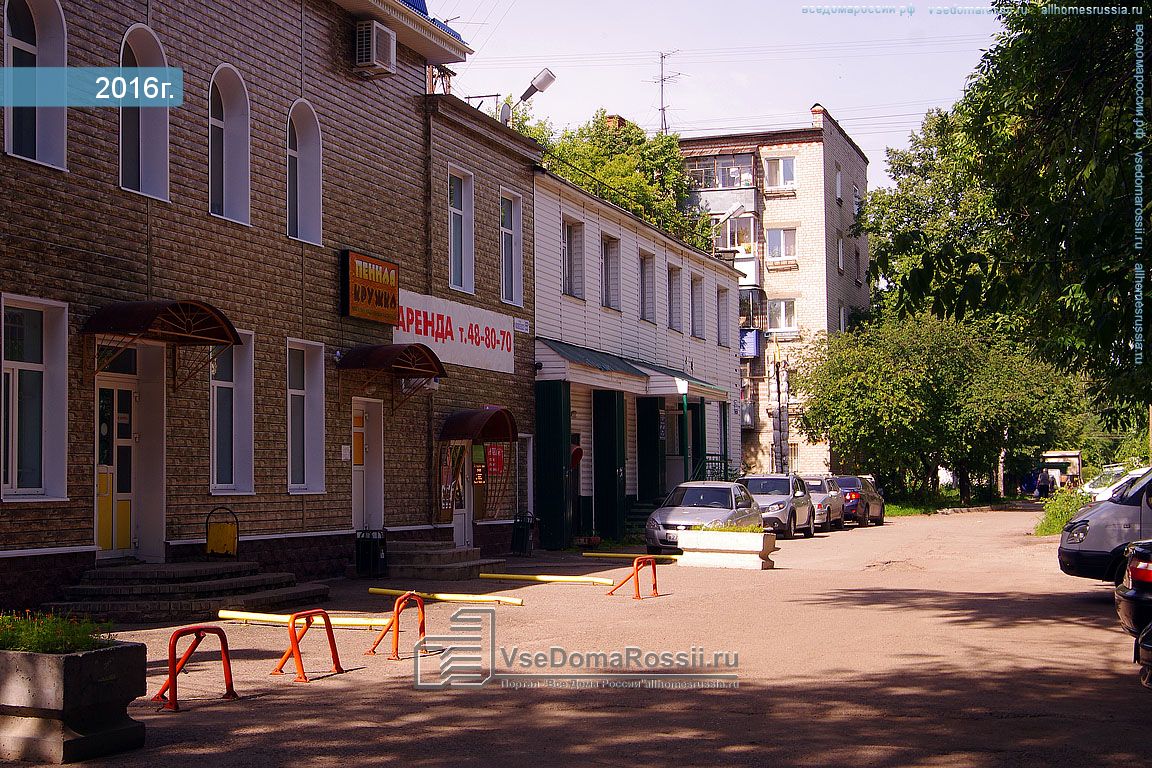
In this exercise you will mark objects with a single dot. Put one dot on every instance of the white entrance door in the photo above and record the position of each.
(116, 437)
(461, 463)
(359, 450)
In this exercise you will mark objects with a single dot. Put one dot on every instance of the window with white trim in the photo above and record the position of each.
(572, 257)
(461, 253)
(722, 317)
(675, 306)
(231, 416)
(781, 315)
(840, 251)
(511, 249)
(305, 176)
(719, 171)
(229, 146)
(696, 306)
(736, 234)
(35, 36)
(609, 272)
(843, 317)
(781, 244)
(143, 130)
(305, 417)
(839, 183)
(648, 286)
(34, 404)
(780, 173)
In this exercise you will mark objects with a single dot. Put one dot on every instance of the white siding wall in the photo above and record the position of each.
(630, 446)
(582, 424)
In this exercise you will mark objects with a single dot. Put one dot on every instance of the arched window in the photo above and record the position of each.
(143, 130)
(35, 36)
(229, 182)
(304, 174)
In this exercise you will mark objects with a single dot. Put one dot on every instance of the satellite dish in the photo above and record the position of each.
(505, 113)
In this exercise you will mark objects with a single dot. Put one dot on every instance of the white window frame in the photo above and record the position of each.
(54, 401)
(610, 272)
(722, 317)
(572, 257)
(152, 140)
(309, 155)
(776, 313)
(512, 262)
(675, 298)
(784, 255)
(236, 159)
(696, 308)
(466, 280)
(779, 163)
(243, 434)
(843, 317)
(840, 251)
(648, 286)
(314, 433)
(839, 184)
(50, 50)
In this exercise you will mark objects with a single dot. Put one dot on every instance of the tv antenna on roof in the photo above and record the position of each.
(665, 79)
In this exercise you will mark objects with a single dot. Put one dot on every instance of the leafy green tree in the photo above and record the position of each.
(1042, 229)
(614, 159)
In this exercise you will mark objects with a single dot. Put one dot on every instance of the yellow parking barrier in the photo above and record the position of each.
(348, 622)
(548, 579)
(627, 556)
(449, 597)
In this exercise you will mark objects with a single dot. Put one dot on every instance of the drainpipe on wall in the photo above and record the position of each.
(684, 443)
(433, 487)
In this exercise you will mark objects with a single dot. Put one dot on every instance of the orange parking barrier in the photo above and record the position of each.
(398, 608)
(174, 666)
(294, 643)
(637, 565)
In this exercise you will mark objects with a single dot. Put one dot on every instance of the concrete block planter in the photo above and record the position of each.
(60, 708)
(727, 549)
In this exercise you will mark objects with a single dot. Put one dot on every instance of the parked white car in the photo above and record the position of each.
(1101, 487)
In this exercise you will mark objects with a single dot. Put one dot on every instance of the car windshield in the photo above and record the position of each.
(816, 484)
(1105, 478)
(1135, 491)
(848, 482)
(768, 486)
(695, 496)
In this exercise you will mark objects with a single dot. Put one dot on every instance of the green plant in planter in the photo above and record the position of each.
(735, 528)
(48, 633)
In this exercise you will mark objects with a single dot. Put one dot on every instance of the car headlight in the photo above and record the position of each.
(777, 506)
(1076, 532)
(652, 524)
(715, 523)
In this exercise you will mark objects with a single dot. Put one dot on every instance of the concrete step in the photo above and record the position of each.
(407, 546)
(403, 557)
(186, 590)
(161, 572)
(148, 611)
(460, 571)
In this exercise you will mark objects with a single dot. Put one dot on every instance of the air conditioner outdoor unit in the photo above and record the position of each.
(375, 53)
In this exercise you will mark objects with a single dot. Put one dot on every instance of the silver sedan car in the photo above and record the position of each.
(695, 505)
(829, 503)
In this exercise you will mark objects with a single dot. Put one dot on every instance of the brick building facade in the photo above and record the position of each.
(791, 195)
(137, 245)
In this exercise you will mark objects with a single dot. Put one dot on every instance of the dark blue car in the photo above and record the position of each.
(862, 502)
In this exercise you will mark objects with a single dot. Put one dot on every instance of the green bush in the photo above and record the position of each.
(1059, 509)
(47, 633)
(733, 528)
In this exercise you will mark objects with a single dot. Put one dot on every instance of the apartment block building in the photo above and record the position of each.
(305, 294)
(636, 367)
(783, 202)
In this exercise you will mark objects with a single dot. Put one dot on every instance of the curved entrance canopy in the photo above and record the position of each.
(408, 361)
(490, 424)
(184, 323)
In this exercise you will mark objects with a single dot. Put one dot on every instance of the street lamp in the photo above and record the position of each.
(539, 84)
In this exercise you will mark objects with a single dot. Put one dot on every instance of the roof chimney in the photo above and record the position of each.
(817, 116)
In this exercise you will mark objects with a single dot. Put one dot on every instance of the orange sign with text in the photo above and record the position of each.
(371, 288)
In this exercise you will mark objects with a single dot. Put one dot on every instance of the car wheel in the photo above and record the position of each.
(880, 520)
(790, 531)
(862, 517)
(827, 526)
(1146, 677)
(810, 530)
(655, 550)
(840, 521)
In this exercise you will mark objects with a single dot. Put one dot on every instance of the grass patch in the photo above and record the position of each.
(908, 509)
(1061, 507)
(736, 528)
(48, 633)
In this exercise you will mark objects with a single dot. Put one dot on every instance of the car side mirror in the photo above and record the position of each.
(798, 494)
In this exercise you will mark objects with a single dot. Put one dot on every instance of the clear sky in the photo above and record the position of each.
(743, 65)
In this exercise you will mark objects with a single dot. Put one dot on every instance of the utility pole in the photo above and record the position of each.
(665, 79)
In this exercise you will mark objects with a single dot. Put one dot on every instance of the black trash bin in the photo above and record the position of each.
(522, 534)
(370, 562)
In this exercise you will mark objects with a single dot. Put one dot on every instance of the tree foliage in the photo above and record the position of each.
(901, 396)
(614, 159)
(1020, 202)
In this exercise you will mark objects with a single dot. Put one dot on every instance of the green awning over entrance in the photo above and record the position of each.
(591, 358)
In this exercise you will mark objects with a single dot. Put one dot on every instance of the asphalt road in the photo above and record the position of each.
(942, 641)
